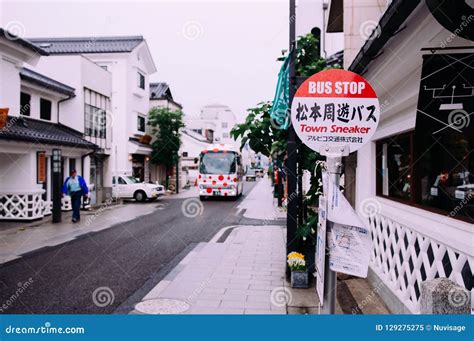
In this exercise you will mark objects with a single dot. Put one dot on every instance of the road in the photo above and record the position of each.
(129, 258)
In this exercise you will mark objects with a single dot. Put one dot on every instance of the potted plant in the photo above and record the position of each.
(299, 272)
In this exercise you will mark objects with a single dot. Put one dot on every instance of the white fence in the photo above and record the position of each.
(403, 258)
(27, 205)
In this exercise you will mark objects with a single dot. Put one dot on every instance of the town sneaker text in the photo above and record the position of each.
(334, 129)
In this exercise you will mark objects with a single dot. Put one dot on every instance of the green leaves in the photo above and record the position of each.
(260, 132)
(165, 125)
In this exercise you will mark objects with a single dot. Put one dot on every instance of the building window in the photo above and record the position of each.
(433, 167)
(225, 124)
(25, 106)
(225, 135)
(141, 81)
(394, 169)
(95, 114)
(45, 109)
(72, 165)
(141, 123)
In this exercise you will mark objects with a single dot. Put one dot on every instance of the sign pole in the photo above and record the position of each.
(334, 165)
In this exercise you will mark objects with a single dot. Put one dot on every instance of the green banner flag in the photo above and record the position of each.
(281, 102)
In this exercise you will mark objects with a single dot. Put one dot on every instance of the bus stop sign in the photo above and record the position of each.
(335, 108)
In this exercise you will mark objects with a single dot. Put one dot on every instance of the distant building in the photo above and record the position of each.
(160, 96)
(215, 123)
(192, 144)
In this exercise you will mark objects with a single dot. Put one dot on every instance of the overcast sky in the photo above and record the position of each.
(208, 51)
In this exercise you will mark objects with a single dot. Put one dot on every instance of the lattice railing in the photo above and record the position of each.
(28, 205)
(403, 258)
(21, 205)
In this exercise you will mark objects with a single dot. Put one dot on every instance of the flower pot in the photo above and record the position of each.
(299, 279)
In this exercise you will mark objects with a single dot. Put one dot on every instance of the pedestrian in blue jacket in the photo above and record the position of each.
(75, 186)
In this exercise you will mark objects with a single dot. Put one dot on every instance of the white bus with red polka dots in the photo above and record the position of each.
(220, 172)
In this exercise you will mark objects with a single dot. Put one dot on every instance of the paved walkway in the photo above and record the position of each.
(245, 274)
(260, 203)
(18, 238)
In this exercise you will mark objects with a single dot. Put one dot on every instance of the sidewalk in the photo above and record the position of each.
(245, 274)
(260, 204)
(242, 271)
(17, 238)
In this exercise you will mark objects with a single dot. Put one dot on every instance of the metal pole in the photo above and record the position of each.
(292, 213)
(57, 184)
(334, 165)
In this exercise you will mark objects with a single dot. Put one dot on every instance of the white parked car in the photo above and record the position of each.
(128, 187)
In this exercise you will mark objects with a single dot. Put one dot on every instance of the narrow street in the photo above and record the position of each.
(128, 258)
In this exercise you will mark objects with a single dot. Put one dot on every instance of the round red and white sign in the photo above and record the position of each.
(335, 108)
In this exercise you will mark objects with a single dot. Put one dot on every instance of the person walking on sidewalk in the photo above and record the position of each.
(75, 186)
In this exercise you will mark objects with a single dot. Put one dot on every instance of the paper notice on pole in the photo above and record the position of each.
(349, 241)
(321, 247)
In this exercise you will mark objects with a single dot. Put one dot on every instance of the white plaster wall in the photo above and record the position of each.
(17, 171)
(309, 14)
(360, 18)
(9, 84)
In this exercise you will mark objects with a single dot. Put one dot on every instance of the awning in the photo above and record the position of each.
(135, 147)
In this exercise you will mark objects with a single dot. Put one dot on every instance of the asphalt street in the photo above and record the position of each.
(128, 258)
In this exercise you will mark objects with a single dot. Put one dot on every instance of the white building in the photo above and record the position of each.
(130, 63)
(35, 126)
(161, 97)
(192, 144)
(215, 123)
(417, 173)
(89, 113)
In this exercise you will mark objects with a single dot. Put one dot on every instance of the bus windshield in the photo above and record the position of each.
(217, 163)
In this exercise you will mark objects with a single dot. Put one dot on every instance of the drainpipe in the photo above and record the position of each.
(61, 101)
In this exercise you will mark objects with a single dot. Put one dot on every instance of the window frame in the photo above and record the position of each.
(44, 101)
(139, 118)
(22, 113)
(95, 111)
(141, 80)
(414, 172)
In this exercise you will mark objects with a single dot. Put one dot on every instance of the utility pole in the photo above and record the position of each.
(292, 171)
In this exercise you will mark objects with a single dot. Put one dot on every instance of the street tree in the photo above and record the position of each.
(166, 125)
(265, 136)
